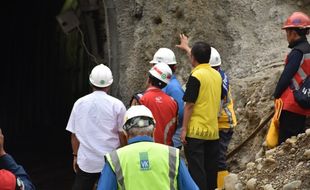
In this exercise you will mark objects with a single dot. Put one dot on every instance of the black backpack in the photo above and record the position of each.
(302, 94)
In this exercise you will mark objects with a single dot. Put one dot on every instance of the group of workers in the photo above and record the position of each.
(140, 148)
(200, 120)
(163, 114)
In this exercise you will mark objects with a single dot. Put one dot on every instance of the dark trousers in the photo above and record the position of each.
(225, 137)
(291, 124)
(202, 158)
(84, 180)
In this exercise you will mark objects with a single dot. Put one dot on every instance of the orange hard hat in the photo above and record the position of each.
(7, 180)
(297, 20)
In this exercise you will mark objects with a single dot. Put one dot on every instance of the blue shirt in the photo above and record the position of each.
(8, 163)
(225, 83)
(174, 89)
(108, 178)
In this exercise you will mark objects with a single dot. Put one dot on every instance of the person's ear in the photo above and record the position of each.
(153, 132)
(148, 81)
(126, 136)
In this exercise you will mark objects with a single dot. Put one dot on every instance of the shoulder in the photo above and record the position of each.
(116, 102)
(165, 148)
(303, 47)
(294, 57)
(167, 96)
(173, 101)
(151, 93)
(111, 102)
(296, 52)
(174, 82)
(193, 77)
(222, 73)
(174, 85)
(124, 151)
(192, 81)
(112, 99)
(216, 74)
(83, 100)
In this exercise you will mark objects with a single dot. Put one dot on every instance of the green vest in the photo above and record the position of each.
(145, 165)
(203, 123)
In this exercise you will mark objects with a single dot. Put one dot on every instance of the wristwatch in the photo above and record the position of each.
(19, 184)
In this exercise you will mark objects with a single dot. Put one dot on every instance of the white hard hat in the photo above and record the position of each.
(162, 72)
(215, 58)
(101, 76)
(138, 116)
(164, 55)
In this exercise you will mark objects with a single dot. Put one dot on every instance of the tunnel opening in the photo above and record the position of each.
(43, 76)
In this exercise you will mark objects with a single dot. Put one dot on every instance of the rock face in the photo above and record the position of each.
(247, 34)
(252, 45)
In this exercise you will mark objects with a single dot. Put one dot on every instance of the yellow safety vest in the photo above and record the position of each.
(227, 118)
(145, 165)
(203, 123)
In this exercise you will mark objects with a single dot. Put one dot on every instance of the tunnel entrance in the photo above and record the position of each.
(39, 89)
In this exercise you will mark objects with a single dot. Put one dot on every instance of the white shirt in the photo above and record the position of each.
(96, 120)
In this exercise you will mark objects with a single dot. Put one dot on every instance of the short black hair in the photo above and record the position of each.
(156, 82)
(172, 67)
(201, 52)
(300, 32)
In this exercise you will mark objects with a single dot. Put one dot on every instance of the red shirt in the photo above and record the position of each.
(164, 109)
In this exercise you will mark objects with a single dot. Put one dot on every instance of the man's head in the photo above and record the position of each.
(160, 75)
(200, 53)
(165, 55)
(101, 77)
(296, 26)
(139, 121)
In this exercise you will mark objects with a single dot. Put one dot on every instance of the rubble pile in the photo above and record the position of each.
(285, 167)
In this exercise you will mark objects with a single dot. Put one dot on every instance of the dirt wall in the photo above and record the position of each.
(247, 34)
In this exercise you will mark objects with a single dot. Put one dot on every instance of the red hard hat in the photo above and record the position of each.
(7, 180)
(297, 20)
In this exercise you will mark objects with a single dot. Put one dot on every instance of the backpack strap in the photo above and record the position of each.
(135, 99)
